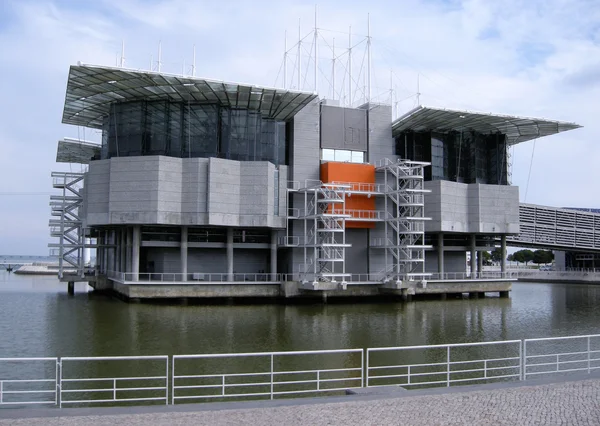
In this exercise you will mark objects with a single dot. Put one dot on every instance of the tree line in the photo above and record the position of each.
(523, 256)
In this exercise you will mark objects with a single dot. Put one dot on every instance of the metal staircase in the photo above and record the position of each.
(66, 224)
(324, 237)
(404, 224)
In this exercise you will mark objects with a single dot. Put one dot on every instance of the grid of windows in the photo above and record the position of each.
(185, 130)
(342, 155)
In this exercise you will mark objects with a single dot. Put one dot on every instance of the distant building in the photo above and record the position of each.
(226, 182)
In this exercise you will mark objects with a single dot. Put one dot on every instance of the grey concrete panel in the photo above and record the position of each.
(357, 255)
(305, 149)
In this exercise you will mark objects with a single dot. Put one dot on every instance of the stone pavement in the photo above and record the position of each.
(566, 403)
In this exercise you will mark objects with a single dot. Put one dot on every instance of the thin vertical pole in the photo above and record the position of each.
(392, 92)
(333, 70)
(316, 52)
(350, 66)
(272, 363)
(159, 56)
(368, 58)
(194, 62)
(299, 57)
(122, 53)
(285, 60)
(448, 367)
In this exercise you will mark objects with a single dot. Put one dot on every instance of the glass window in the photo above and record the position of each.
(328, 154)
(343, 155)
(358, 157)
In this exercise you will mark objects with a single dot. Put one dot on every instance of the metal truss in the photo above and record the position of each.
(404, 223)
(324, 237)
(67, 224)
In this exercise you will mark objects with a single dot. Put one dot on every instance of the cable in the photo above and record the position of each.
(529, 174)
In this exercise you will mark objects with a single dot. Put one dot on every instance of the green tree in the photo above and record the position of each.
(487, 257)
(497, 255)
(523, 256)
(543, 256)
(510, 258)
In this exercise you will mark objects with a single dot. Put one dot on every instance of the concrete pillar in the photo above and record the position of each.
(99, 251)
(135, 253)
(480, 261)
(123, 250)
(273, 255)
(503, 293)
(503, 251)
(71, 288)
(184, 253)
(473, 257)
(440, 253)
(230, 254)
(105, 254)
(128, 249)
(111, 251)
(118, 250)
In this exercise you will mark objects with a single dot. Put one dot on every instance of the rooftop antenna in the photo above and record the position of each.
(159, 63)
(368, 57)
(316, 51)
(333, 69)
(122, 53)
(299, 53)
(194, 62)
(350, 66)
(392, 92)
(285, 59)
(418, 91)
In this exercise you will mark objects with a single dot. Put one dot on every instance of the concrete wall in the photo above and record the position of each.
(184, 191)
(381, 142)
(472, 208)
(454, 261)
(357, 256)
(343, 128)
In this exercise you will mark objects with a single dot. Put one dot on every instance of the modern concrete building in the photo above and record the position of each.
(209, 189)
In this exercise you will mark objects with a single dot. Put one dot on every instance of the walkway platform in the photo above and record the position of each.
(547, 402)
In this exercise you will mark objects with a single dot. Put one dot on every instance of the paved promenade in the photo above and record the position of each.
(568, 403)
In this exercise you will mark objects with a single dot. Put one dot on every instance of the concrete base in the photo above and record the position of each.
(322, 291)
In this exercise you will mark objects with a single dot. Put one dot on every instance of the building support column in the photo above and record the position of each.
(118, 258)
(503, 251)
(440, 253)
(273, 255)
(128, 250)
(473, 257)
(123, 250)
(111, 250)
(184, 253)
(99, 254)
(480, 262)
(230, 254)
(135, 253)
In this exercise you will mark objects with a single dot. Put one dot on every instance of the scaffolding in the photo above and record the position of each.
(324, 238)
(66, 224)
(404, 224)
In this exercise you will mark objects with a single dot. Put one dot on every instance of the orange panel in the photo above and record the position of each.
(363, 175)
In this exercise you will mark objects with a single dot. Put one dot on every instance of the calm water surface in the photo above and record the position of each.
(38, 318)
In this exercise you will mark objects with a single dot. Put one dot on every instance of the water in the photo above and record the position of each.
(38, 318)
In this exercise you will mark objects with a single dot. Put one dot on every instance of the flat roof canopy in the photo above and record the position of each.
(517, 129)
(92, 89)
(76, 151)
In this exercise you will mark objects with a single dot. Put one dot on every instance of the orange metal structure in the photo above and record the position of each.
(361, 177)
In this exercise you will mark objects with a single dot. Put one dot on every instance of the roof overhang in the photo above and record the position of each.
(76, 151)
(92, 89)
(517, 129)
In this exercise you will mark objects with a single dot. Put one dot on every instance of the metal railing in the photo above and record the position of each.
(269, 375)
(473, 275)
(195, 278)
(265, 374)
(36, 381)
(97, 384)
(456, 363)
(559, 355)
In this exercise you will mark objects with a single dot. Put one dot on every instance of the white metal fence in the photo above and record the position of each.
(26, 381)
(91, 380)
(70, 381)
(448, 364)
(265, 374)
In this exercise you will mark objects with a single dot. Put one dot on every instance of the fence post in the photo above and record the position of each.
(1, 389)
(271, 376)
(588, 354)
(362, 366)
(448, 367)
(173, 382)
(167, 381)
(59, 373)
(367, 368)
(115, 390)
(318, 380)
(524, 361)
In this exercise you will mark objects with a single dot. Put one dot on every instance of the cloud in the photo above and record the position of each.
(534, 58)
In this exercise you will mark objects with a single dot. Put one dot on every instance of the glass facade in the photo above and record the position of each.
(342, 155)
(191, 130)
(467, 156)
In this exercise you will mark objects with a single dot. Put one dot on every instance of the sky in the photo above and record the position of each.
(539, 58)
